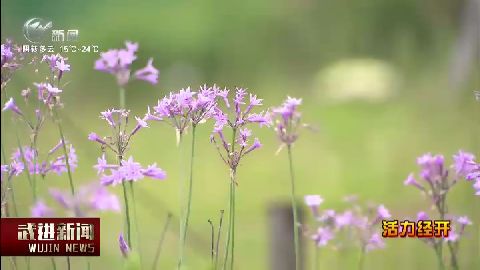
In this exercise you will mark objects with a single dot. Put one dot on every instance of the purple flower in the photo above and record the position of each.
(148, 73)
(131, 170)
(59, 165)
(4, 170)
(56, 147)
(40, 209)
(236, 118)
(16, 168)
(464, 163)
(410, 181)
(108, 116)
(328, 216)
(128, 171)
(118, 61)
(95, 138)
(476, 186)
(10, 61)
(141, 123)
(7, 54)
(422, 216)
(433, 169)
(464, 220)
(287, 120)
(153, 172)
(102, 165)
(123, 246)
(48, 94)
(322, 236)
(102, 200)
(185, 107)
(116, 177)
(383, 212)
(344, 219)
(375, 242)
(313, 201)
(62, 66)
(88, 198)
(452, 236)
(11, 106)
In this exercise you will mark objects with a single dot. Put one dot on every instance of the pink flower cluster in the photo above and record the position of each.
(359, 225)
(118, 61)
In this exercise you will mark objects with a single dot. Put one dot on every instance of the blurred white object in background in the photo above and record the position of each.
(357, 79)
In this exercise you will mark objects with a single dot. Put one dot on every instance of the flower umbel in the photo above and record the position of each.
(287, 120)
(118, 61)
(118, 144)
(237, 118)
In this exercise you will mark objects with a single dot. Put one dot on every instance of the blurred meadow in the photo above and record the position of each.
(376, 82)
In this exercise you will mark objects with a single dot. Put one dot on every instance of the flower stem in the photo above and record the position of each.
(229, 233)
(122, 98)
(212, 242)
(64, 147)
(27, 172)
(439, 253)
(190, 188)
(294, 209)
(180, 197)
(127, 212)
(231, 214)
(54, 265)
(219, 233)
(453, 257)
(233, 220)
(317, 258)
(135, 218)
(361, 260)
(160, 243)
(9, 183)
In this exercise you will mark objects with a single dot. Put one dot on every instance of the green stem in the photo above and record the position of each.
(160, 243)
(294, 209)
(34, 147)
(27, 260)
(231, 214)
(227, 245)
(190, 188)
(65, 152)
(233, 221)
(127, 213)
(14, 262)
(4, 160)
(122, 98)
(27, 172)
(12, 193)
(361, 260)
(219, 233)
(68, 263)
(453, 257)
(317, 258)
(180, 197)
(135, 221)
(54, 265)
(439, 253)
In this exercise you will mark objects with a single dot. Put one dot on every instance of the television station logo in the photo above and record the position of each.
(50, 237)
(37, 30)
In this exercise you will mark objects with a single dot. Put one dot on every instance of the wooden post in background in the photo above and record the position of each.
(281, 243)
